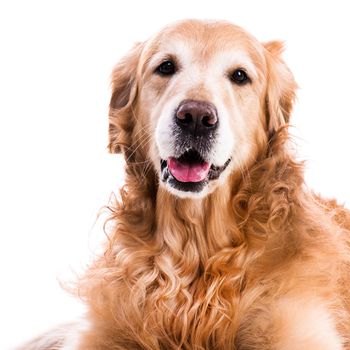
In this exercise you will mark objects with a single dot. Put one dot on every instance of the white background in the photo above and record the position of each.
(55, 172)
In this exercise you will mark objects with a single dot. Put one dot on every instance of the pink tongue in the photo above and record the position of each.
(188, 172)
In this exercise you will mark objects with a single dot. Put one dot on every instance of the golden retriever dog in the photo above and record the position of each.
(215, 242)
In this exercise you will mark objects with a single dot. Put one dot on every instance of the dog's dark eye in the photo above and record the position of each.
(166, 68)
(239, 76)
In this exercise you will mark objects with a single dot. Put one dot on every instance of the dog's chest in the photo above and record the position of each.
(202, 313)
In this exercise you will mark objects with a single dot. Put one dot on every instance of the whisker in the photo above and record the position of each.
(142, 128)
(146, 169)
(144, 142)
(137, 140)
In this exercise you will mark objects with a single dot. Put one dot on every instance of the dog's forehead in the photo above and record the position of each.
(217, 44)
(202, 41)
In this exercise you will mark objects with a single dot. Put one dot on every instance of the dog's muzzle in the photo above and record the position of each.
(195, 130)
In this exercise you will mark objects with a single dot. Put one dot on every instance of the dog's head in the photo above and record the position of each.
(196, 103)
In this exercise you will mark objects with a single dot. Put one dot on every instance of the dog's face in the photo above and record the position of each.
(204, 98)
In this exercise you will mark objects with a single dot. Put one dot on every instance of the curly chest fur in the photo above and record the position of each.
(182, 304)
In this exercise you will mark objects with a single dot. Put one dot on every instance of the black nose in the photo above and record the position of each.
(197, 117)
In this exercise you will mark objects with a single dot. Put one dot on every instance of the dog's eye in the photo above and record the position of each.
(166, 68)
(240, 77)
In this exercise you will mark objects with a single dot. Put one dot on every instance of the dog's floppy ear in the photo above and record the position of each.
(281, 88)
(124, 91)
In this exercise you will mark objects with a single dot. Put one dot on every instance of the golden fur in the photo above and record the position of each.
(259, 263)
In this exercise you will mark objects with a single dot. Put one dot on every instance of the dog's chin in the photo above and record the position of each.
(190, 176)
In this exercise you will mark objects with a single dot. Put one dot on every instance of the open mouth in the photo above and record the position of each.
(190, 172)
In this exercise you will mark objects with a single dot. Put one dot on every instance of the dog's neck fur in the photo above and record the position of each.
(185, 218)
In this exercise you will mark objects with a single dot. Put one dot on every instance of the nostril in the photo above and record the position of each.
(209, 121)
(185, 118)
